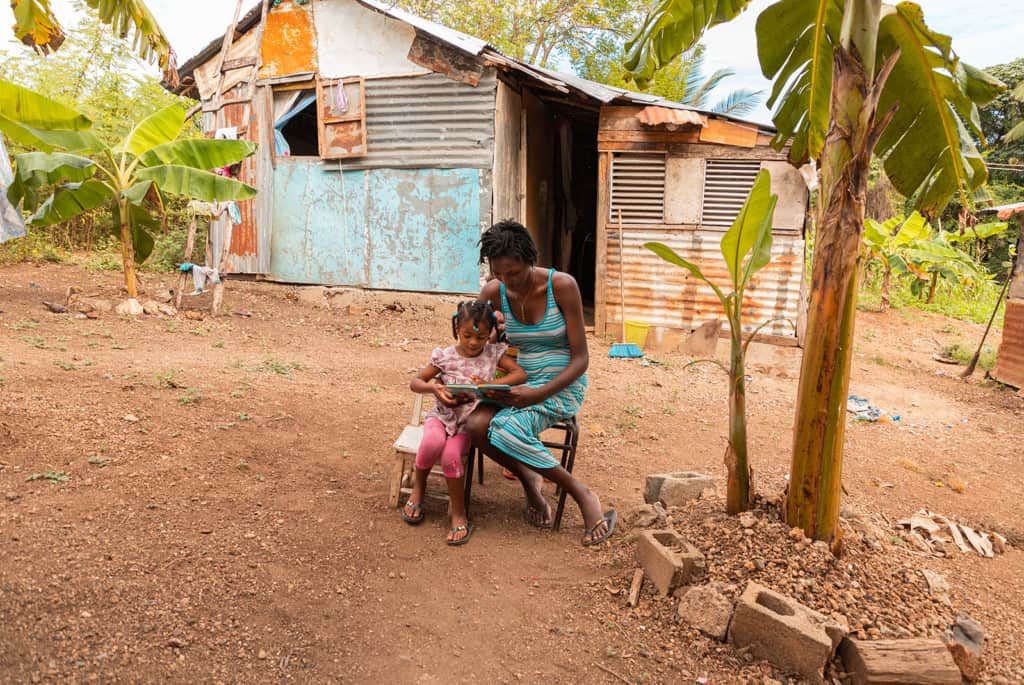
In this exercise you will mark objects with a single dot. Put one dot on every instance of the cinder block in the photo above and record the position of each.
(914, 661)
(783, 631)
(672, 489)
(668, 560)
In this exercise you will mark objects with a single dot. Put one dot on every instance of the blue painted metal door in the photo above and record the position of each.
(423, 226)
(319, 224)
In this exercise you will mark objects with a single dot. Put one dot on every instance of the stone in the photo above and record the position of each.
(644, 516)
(747, 519)
(314, 296)
(916, 661)
(356, 310)
(788, 634)
(340, 298)
(707, 610)
(129, 307)
(668, 560)
(703, 341)
(937, 585)
(162, 295)
(965, 641)
(90, 304)
(673, 489)
(151, 307)
(167, 310)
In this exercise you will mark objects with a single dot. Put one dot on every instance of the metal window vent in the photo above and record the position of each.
(638, 188)
(727, 182)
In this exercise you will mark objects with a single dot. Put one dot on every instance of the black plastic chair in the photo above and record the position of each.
(570, 441)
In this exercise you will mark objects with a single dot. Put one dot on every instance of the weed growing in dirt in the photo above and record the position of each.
(244, 417)
(119, 346)
(200, 331)
(173, 326)
(371, 476)
(99, 461)
(910, 465)
(50, 475)
(949, 329)
(92, 344)
(24, 325)
(219, 344)
(282, 368)
(166, 379)
(191, 396)
(374, 388)
(878, 359)
(867, 335)
(242, 465)
(634, 410)
(963, 353)
(35, 341)
(668, 410)
(67, 366)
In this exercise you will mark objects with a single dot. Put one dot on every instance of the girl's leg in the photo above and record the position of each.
(451, 463)
(427, 455)
(477, 425)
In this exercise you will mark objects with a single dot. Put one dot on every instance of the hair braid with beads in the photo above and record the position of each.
(477, 311)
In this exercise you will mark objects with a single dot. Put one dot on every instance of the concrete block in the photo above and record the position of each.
(668, 560)
(672, 489)
(916, 661)
(707, 610)
(783, 631)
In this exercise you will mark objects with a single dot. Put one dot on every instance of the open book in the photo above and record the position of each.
(468, 388)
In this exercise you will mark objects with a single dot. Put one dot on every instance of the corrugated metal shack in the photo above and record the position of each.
(388, 142)
(1010, 359)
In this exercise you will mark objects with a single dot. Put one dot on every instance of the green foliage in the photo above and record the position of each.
(963, 353)
(927, 150)
(50, 475)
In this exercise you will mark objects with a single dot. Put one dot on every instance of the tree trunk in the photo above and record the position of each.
(739, 493)
(886, 276)
(127, 251)
(812, 502)
(932, 287)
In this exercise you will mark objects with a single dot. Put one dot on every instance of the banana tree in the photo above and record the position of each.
(37, 26)
(60, 181)
(852, 78)
(747, 248)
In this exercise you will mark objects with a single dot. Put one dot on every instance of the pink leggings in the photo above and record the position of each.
(436, 443)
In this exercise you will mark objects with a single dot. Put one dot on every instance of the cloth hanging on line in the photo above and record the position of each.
(227, 133)
(281, 146)
(340, 98)
(203, 274)
(12, 225)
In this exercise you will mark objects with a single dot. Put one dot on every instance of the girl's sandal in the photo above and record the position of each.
(458, 529)
(417, 513)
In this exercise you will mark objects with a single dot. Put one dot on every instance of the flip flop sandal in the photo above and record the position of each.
(465, 538)
(609, 517)
(417, 517)
(508, 474)
(539, 524)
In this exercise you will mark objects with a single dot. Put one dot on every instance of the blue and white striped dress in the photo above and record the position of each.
(543, 353)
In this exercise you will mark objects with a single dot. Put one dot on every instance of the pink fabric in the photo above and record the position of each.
(458, 369)
(436, 443)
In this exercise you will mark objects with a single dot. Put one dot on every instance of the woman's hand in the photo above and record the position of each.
(518, 396)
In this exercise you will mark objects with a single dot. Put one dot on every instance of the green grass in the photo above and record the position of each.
(282, 368)
(50, 475)
(965, 303)
(963, 353)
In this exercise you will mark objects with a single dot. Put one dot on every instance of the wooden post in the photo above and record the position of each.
(222, 265)
(190, 244)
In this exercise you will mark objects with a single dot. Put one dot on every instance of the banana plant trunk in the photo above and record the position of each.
(127, 250)
(812, 502)
(932, 287)
(739, 491)
(886, 282)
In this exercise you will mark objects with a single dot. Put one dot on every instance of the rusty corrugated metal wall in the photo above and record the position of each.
(1010, 361)
(428, 122)
(665, 295)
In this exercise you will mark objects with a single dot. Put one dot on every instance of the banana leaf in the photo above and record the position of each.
(70, 200)
(195, 183)
(750, 231)
(35, 121)
(34, 169)
(139, 219)
(199, 153)
(156, 129)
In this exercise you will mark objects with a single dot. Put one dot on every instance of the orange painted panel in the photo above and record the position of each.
(289, 41)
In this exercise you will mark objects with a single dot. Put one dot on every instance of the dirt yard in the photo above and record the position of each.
(224, 517)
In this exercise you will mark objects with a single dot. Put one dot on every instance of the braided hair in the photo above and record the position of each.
(508, 238)
(477, 311)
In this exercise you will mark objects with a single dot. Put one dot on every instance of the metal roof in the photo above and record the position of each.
(1004, 212)
(561, 81)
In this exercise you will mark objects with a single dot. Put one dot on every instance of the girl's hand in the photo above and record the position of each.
(445, 397)
(518, 396)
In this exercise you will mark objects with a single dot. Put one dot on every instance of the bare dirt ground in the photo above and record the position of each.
(225, 516)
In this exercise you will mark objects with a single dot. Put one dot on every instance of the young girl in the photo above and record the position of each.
(473, 359)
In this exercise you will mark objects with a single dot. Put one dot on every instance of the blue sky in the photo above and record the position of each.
(984, 33)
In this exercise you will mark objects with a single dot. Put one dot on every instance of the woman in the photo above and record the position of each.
(542, 314)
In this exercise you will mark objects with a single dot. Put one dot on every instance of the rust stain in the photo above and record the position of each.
(665, 116)
(1010, 361)
(289, 41)
(243, 235)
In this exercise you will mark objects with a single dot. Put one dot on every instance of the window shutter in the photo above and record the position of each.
(342, 129)
(638, 188)
(727, 182)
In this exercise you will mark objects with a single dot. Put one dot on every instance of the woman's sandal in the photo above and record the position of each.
(458, 529)
(417, 513)
(609, 517)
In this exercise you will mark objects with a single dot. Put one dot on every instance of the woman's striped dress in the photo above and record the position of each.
(543, 353)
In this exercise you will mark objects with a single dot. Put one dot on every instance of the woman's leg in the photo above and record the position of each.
(430, 449)
(451, 463)
(586, 499)
(477, 425)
